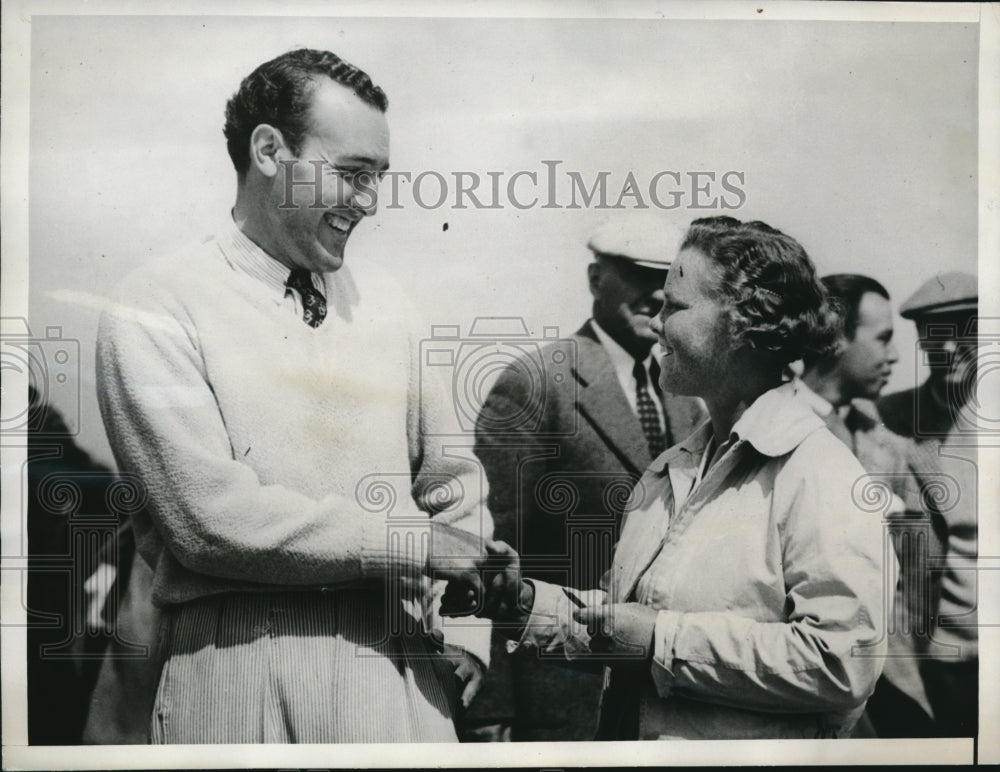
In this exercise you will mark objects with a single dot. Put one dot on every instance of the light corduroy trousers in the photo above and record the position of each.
(299, 667)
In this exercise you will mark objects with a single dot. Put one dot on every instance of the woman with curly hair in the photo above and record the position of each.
(745, 596)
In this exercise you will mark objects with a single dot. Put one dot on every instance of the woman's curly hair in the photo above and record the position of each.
(777, 304)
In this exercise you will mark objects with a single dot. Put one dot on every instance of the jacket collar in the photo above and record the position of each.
(775, 424)
(821, 406)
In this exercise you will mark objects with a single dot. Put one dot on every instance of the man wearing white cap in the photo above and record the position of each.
(559, 482)
(940, 421)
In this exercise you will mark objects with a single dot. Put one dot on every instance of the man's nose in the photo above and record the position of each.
(892, 354)
(362, 196)
(653, 298)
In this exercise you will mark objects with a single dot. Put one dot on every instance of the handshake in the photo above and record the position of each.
(484, 578)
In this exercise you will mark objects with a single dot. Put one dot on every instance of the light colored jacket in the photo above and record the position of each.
(768, 578)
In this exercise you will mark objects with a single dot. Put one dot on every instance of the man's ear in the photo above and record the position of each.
(594, 278)
(267, 148)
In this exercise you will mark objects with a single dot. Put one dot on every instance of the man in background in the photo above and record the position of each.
(939, 420)
(564, 435)
(68, 511)
(841, 389)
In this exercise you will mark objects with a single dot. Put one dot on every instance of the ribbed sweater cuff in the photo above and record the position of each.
(396, 546)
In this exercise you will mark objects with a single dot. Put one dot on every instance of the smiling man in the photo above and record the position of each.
(307, 180)
(264, 390)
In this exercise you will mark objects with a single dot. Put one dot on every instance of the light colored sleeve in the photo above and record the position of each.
(551, 626)
(213, 513)
(828, 655)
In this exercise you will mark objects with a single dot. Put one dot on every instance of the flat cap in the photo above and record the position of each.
(642, 237)
(944, 293)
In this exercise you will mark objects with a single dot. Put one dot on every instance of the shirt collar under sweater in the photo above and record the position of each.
(245, 256)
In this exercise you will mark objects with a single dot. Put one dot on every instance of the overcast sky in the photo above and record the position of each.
(859, 139)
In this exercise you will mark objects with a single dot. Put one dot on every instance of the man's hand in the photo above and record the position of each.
(469, 671)
(457, 556)
(622, 630)
(508, 599)
(488, 585)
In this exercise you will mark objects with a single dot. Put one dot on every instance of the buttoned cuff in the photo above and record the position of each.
(551, 625)
(664, 636)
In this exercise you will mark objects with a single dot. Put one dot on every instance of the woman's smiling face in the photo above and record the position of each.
(694, 329)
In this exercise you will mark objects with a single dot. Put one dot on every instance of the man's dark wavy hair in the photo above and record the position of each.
(279, 93)
(846, 290)
(776, 304)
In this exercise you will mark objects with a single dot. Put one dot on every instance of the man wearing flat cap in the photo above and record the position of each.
(938, 418)
(559, 482)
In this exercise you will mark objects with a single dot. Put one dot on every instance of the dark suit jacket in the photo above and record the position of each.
(562, 451)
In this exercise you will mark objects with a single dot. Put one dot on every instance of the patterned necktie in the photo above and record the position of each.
(648, 416)
(654, 376)
(313, 301)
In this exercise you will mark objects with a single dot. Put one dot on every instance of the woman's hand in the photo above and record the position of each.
(623, 630)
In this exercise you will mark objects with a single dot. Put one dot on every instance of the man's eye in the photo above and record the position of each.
(362, 176)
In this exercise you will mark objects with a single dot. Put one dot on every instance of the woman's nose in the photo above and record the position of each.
(657, 324)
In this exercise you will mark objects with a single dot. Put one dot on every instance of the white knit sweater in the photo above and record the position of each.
(276, 455)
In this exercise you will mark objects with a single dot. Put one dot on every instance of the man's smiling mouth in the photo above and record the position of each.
(338, 223)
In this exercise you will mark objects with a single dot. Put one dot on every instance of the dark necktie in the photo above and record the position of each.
(654, 376)
(648, 416)
(313, 301)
